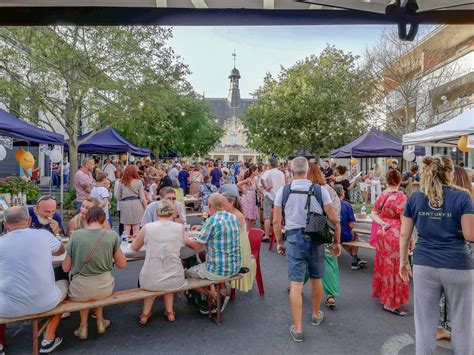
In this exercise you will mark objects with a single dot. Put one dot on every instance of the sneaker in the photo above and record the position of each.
(48, 346)
(224, 301)
(317, 320)
(355, 266)
(298, 337)
(65, 315)
(361, 262)
(205, 311)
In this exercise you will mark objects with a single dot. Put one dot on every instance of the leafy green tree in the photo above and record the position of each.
(65, 77)
(320, 103)
(166, 120)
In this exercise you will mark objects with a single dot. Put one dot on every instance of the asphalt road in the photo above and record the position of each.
(251, 325)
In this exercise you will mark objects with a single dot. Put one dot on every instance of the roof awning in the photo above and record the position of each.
(236, 12)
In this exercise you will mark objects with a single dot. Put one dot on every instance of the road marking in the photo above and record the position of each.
(396, 343)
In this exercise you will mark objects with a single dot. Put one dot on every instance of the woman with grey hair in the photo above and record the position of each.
(246, 282)
(162, 269)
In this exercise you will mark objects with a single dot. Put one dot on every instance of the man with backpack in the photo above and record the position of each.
(306, 209)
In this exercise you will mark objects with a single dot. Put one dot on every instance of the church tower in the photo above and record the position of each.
(233, 97)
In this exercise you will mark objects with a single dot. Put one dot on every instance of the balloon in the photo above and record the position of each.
(123, 157)
(3, 152)
(25, 159)
(462, 144)
(55, 156)
(389, 161)
(131, 159)
(408, 155)
(353, 162)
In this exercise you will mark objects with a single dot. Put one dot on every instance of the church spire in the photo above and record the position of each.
(233, 97)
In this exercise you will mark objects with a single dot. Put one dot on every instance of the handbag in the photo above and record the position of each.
(374, 228)
(317, 226)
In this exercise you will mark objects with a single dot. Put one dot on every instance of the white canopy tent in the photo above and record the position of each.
(445, 134)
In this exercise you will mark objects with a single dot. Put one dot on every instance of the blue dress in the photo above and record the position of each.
(183, 181)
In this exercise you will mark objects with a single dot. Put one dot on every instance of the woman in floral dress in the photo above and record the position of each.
(248, 186)
(387, 283)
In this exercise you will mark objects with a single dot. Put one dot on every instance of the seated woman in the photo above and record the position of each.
(162, 269)
(91, 253)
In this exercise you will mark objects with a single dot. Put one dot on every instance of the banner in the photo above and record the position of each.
(470, 141)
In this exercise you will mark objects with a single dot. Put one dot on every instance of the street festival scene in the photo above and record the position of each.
(244, 189)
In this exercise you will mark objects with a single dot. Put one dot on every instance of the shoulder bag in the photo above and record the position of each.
(89, 257)
(317, 226)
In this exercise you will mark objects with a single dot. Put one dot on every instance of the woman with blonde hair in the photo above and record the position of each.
(443, 214)
(375, 185)
(162, 270)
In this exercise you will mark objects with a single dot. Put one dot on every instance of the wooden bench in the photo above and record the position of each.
(194, 214)
(116, 298)
(359, 244)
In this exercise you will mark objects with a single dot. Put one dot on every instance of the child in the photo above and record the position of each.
(100, 191)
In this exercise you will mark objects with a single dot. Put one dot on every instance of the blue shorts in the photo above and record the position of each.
(303, 256)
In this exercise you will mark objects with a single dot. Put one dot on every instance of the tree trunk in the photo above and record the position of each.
(73, 159)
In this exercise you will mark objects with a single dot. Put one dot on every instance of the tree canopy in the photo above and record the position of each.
(320, 103)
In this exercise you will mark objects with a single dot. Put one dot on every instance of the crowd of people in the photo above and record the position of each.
(438, 202)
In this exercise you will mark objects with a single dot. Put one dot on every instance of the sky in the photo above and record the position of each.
(208, 51)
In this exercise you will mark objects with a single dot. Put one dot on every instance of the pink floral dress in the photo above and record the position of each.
(249, 201)
(387, 284)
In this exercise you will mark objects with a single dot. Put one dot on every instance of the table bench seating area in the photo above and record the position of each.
(119, 297)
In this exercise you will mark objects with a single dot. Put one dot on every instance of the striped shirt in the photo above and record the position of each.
(221, 233)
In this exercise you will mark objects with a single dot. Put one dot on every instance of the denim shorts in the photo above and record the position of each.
(303, 256)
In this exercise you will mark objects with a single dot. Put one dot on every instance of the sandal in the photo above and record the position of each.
(396, 311)
(170, 316)
(330, 304)
(143, 320)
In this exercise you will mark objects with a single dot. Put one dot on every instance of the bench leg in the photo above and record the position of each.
(35, 337)
(218, 311)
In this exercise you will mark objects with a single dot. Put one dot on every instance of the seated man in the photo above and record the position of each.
(27, 283)
(45, 216)
(347, 225)
(221, 234)
(166, 193)
(77, 222)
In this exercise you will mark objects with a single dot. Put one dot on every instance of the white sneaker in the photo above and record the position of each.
(65, 315)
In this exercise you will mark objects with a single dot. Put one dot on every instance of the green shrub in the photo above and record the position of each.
(69, 199)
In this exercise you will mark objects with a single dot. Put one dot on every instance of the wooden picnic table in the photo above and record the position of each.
(131, 255)
(191, 199)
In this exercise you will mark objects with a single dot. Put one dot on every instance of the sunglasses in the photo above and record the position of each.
(45, 198)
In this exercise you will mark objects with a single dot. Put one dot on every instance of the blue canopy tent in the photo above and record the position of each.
(373, 144)
(14, 127)
(109, 141)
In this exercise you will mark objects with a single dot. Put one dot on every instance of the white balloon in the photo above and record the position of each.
(131, 159)
(55, 156)
(408, 155)
(46, 152)
(3, 152)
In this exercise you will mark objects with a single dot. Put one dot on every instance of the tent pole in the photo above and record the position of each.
(62, 183)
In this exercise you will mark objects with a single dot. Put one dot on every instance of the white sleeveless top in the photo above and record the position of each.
(163, 269)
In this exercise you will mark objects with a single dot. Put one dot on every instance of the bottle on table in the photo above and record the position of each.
(363, 210)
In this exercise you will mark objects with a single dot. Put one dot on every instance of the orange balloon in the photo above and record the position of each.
(123, 157)
(462, 144)
(25, 159)
(389, 161)
(353, 162)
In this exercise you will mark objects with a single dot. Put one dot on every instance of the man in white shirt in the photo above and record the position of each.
(166, 193)
(27, 283)
(272, 180)
(303, 255)
(174, 172)
(110, 169)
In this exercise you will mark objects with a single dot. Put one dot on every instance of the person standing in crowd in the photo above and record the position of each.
(165, 180)
(162, 270)
(443, 215)
(302, 253)
(196, 180)
(91, 255)
(342, 178)
(174, 171)
(272, 180)
(27, 283)
(110, 169)
(132, 199)
(205, 190)
(375, 184)
(66, 171)
(331, 279)
(327, 171)
(411, 180)
(83, 182)
(96, 167)
(243, 169)
(221, 234)
(347, 219)
(183, 178)
(233, 206)
(237, 170)
(203, 169)
(394, 165)
(248, 186)
(101, 193)
(119, 171)
(216, 176)
(462, 180)
(45, 216)
(387, 284)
